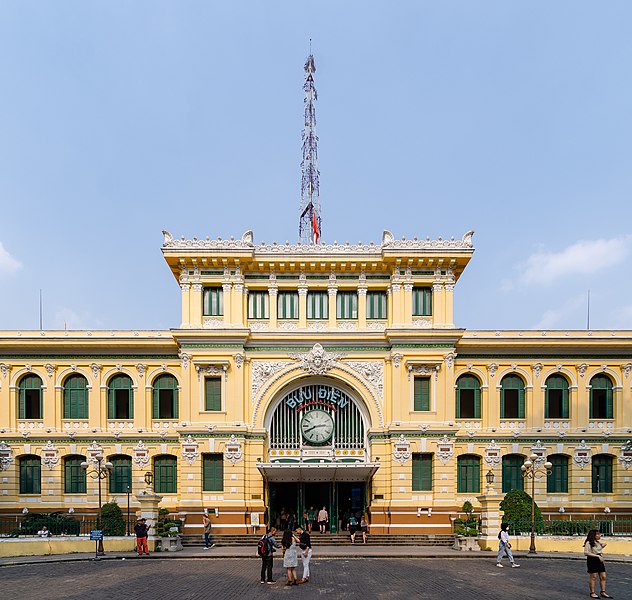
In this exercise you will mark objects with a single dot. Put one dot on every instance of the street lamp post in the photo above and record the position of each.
(532, 469)
(129, 490)
(99, 472)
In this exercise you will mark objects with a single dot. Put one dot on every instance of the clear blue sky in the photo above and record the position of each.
(121, 118)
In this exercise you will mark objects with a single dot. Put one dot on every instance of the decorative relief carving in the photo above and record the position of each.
(540, 450)
(96, 370)
(582, 455)
(493, 368)
(372, 371)
(6, 456)
(239, 359)
(317, 361)
(445, 450)
(626, 369)
(537, 369)
(92, 451)
(233, 451)
(492, 454)
(190, 451)
(4, 369)
(141, 370)
(213, 323)
(262, 371)
(347, 326)
(258, 325)
(185, 358)
(50, 369)
(581, 369)
(422, 323)
(50, 455)
(625, 458)
(288, 326)
(376, 326)
(317, 326)
(401, 450)
(449, 359)
(209, 371)
(140, 455)
(396, 357)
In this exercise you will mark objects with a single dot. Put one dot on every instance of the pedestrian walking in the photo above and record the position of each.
(353, 527)
(141, 529)
(290, 556)
(593, 548)
(305, 545)
(504, 547)
(266, 548)
(206, 522)
(364, 528)
(311, 518)
(323, 519)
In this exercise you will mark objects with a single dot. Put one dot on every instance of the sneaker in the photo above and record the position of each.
(271, 581)
(207, 547)
(499, 565)
(514, 566)
(262, 581)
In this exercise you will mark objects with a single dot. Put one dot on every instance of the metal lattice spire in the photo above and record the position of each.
(309, 228)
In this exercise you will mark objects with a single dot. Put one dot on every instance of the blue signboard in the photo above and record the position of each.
(96, 535)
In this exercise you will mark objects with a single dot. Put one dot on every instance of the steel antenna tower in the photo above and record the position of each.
(309, 228)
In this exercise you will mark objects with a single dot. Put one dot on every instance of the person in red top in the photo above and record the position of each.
(141, 529)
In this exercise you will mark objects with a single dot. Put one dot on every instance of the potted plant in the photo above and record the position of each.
(168, 530)
(466, 530)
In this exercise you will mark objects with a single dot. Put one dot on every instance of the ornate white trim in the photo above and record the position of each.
(626, 369)
(373, 373)
(492, 454)
(582, 455)
(262, 372)
(445, 449)
(422, 323)
(233, 450)
(347, 326)
(6, 456)
(317, 326)
(239, 359)
(537, 369)
(185, 358)
(213, 323)
(209, 371)
(401, 450)
(142, 369)
(50, 455)
(540, 450)
(625, 457)
(4, 369)
(317, 361)
(258, 325)
(92, 451)
(288, 326)
(140, 455)
(50, 369)
(396, 357)
(376, 326)
(450, 357)
(493, 368)
(190, 452)
(96, 370)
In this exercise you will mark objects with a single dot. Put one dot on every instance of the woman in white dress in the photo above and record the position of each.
(290, 556)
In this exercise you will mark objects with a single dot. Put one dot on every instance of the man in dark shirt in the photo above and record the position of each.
(305, 543)
(268, 559)
(140, 529)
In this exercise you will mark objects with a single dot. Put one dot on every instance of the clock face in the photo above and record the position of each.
(317, 427)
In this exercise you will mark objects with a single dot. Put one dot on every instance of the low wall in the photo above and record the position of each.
(559, 543)
(34, 546)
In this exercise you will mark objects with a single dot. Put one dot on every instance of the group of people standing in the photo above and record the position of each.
(294, 544)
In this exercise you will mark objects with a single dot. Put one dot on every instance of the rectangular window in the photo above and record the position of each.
(317, 305)
(469, 406)
(213, 393)
(74, 477)
(421, 394)
(422, 472)
(30, 476)
(557, 481)
(166, 404)
(287, 305)
(213, 473)
(258, 305)
(121, 404)
(422, 301)
(213, 302)
(165, 476)
(32, 404)
(512, 404)
(120, 476)
(468, 476)
(556, 404)
(346, 305)
(601, 404)
(376, 305)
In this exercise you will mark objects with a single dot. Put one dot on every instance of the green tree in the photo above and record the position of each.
(112, 520)
(516, 506)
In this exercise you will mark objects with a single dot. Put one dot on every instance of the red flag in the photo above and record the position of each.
(315, 228)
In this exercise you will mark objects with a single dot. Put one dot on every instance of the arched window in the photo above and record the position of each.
(74, 475)
(512, 473)
(468, 474)
(557, 481)
(120, 398)
(512, 397)
(468, 397)
(556, 403)
(165, 397)
(75, 397)
(121, 474)
(30, 397)
(165, 474)
(602, 474)
(30, 474)
(601, 397)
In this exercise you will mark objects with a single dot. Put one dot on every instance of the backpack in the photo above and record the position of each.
(353, 522)
(263, 546)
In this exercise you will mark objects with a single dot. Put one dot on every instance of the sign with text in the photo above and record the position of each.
(96, 535)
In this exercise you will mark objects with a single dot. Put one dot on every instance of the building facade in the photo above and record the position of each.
(315, 375)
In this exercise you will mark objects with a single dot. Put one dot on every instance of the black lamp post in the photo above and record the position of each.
(533, 469)
(129, 491)
(99, 472)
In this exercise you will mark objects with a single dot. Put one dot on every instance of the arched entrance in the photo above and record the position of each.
(318, 454)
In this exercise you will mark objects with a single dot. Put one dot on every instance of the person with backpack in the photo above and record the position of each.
(353, 527)
(504, 547)
(266, 547)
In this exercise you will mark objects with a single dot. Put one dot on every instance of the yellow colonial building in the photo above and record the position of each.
(315, 375)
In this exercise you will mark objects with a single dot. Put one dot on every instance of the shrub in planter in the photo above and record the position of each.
(516, 506)
(112, 520)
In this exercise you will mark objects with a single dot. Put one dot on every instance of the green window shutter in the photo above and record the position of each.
(602, 474)
(168, 385)
(213, 473)
(346, 305)
(477, 403)
(502, 403)
(213, 394)
(422, 301)
(121, 474)
(155, 404)
(258, 305)
(30, 475)
(75, 397)
(317, 305)
(565, 410)
(521, 403)
(74, 475)
(120, 382)
(468, 474)
(213, 302)
(30, 385)
(165, 475)
(512, 473)
(557, 482)
(287, 305)
(609, 405)
(422, 472)
(111, 408)
(421, 393)
(376, 305)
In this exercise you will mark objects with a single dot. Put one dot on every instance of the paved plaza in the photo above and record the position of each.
(238, 579)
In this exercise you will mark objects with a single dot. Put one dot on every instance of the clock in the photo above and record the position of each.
(317, 427)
